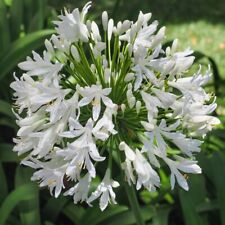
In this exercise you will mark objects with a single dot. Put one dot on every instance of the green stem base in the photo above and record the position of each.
(131, 194)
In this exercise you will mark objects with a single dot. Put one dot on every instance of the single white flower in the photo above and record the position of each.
(152, 104)
(129, 171)
(32, 94)
(82, 150)
(129, 153)
(41, 66)
(105, 126)
(167, 99)
(175, 63)
(95, 93)
(80, 190)
(105, 191)
(49, 174)
(72, 26)
(186, 166)
(147, 176)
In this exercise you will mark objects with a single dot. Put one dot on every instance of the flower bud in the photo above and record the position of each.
(158, 37)
(95, 31)
(123, 107)
(121, 56)
(129, 86)
(110, 28)
(93, 68)
(107, 74)
(105, 62)
(130, 155)
(88, 23)
(174, 46)
(129, 94)
(49, 47)
(129, 77)
(105, 20)
(147, 126)
(122, 146)
(75, 53)
(131, 102)
(72, 66)
(118, 28)
(130, 49)
(138, 106)
(125, 26)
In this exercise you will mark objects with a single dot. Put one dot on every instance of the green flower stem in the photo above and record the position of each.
(130, 191)
(131, 194)
(110, 154)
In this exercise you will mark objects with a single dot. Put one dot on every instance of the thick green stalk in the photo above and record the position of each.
(130, 191)
(131, 194)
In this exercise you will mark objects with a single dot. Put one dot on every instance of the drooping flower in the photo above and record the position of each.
(105, 191)
(80, 190)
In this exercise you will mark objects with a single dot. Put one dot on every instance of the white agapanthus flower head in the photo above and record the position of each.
(110, 99)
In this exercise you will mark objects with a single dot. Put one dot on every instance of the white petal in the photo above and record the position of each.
(96, 111)
(85, 101)
(104, 200)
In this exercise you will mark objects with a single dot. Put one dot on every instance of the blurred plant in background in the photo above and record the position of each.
(24, 25)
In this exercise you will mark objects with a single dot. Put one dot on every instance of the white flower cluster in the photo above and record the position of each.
(117, 99)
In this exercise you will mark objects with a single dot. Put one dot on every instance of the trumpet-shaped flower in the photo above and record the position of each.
(95, 94)
(105, 191)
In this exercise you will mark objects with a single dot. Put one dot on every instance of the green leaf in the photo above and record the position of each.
(6, 153)
(50, 212)
(214, 167)
(48, 223)
(190, 199)
(95, 215)
(8, 123)
(30, 7)
(73, 212)
(161, 215)
(37, 22)
(29, 209)
(22, 193)
(127, 218)
(21, 48)
(3, 184)
(8, 2)
(16, 18)
(208, 205)
(6, 109)
(4, 28)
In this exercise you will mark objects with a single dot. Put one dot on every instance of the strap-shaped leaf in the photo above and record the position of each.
(50, 211)
(3, 184)
(95, 216)
(214, 168)
(29, 209)
(22, 193)
(6, 109)
(16, 18)
(127, 218)
(4, 28)
(6, 153)
(190, 199)
(20, 49)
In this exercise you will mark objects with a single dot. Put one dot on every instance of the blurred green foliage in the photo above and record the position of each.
(24, 24)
